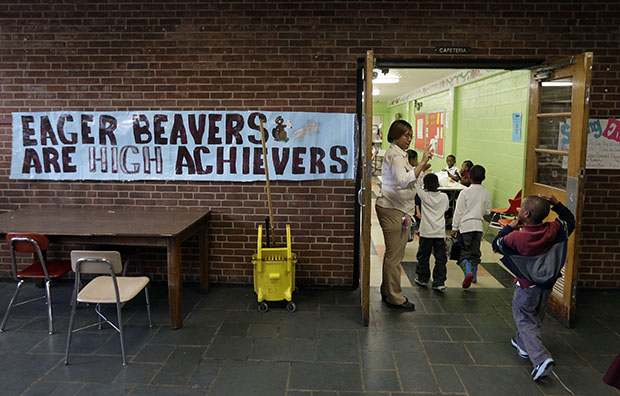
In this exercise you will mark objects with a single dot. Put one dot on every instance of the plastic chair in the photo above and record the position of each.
(104, 289)
(40, 269)
(502, 213)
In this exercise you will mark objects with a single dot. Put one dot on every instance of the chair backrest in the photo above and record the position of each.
(25, 242)
(96, 261)
(515, 204)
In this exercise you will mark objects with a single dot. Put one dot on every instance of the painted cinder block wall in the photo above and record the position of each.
(274, 55)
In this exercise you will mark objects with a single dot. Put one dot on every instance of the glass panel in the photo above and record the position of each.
(554, 133)
(552, 170)
(556, 96)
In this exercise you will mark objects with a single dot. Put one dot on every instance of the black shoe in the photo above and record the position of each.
(383, 297)
(406, 305)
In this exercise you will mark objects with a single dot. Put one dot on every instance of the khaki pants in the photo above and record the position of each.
(395, 243)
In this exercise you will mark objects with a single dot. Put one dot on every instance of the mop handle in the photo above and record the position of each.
(262, 134)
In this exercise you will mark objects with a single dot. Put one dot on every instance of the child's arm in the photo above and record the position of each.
(499, 243)
(564, 214)
(458, 213)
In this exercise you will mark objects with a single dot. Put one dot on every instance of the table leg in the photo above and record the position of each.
(175, 285)
(204, 255)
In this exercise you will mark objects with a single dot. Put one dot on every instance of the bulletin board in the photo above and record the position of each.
(420, 131)
(429, 126)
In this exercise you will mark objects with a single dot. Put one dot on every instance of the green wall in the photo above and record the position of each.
(479, 128)
(483, 120)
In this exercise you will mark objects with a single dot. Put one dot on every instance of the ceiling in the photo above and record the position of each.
(410, 80)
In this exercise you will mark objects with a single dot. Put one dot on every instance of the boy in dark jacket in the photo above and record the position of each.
(535, 254)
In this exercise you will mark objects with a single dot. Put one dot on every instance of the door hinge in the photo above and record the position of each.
(582, 172)
(587, 94)
(546, 72)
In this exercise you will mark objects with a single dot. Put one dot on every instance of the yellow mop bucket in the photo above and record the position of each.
(274, 273)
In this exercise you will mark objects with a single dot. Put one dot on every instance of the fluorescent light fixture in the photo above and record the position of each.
(385, 78)
(558, 83)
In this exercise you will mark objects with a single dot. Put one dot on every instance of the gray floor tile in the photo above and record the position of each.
(448, 379)
(505, 381)
(447, 353)
(138, 373)
(155, 390)
(45, 388)
(236, 348)
(233, 329)
(434, 320)
(381, 380)
(154, 353)
(104, 390)
(462, 334)
(373, 340)
(186, 335)
(495, 353)
(325, 376)
(205, 373)
(433, 334)
(87, 368)
(340, 317)
(179, 367)
(251, 379)
(373, 360)
(263, 330)
(299, 325)
(415, 372)
(338, 346)
(283, 349)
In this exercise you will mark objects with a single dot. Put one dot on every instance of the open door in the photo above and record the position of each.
(556, 155)
(364, 193)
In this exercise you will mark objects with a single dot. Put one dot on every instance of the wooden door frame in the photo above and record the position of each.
(562, 306)
(474, 63)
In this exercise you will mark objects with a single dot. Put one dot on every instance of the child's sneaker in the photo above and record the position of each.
(419, 282)
(439, 288)
(542, 369)
(469, 275)
(474, 270)
(520, 351)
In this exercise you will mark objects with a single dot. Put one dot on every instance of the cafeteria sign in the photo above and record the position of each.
(181, 145)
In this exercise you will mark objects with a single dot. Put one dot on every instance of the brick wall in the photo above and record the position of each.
(270, 55)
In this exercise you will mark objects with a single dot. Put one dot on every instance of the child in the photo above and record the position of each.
(451, 169)
(412, 155)
(463, 175)
(432, 233)
(543, 244)
(472, 204)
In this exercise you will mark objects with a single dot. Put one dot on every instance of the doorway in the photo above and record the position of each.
(411, 106)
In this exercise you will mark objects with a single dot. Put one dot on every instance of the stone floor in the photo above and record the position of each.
(453, 344)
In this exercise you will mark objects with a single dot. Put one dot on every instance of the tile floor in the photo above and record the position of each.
(455, 343)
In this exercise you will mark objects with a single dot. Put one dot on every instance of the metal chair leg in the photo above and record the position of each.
(50, 320)
(71, 320)
(122, 333)
(148, 305)
(8, 310)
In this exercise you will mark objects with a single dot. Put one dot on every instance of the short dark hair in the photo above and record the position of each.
(412, 154)
(469, 164)
(538, 207)
(431, 182)
(477, 173)
(453, 157)
(398, 129)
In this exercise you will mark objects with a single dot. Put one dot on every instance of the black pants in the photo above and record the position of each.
(438, 247)
(470, 246)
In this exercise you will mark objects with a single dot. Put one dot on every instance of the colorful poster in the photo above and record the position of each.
(603, 143)
(181, 145)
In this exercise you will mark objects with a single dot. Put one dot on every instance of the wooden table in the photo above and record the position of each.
(133, 227)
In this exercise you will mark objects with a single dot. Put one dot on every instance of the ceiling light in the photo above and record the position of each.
(381, 77)
(557, 83)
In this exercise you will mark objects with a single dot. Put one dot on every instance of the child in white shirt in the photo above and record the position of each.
(472, 204)
(432, 233)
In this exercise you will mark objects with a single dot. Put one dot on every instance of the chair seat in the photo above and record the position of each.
(101, 289)
(499, 210)
(504, 222)
(55, 268)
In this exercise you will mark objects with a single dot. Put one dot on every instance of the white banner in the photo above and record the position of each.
(603, 143)
(181, 145)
